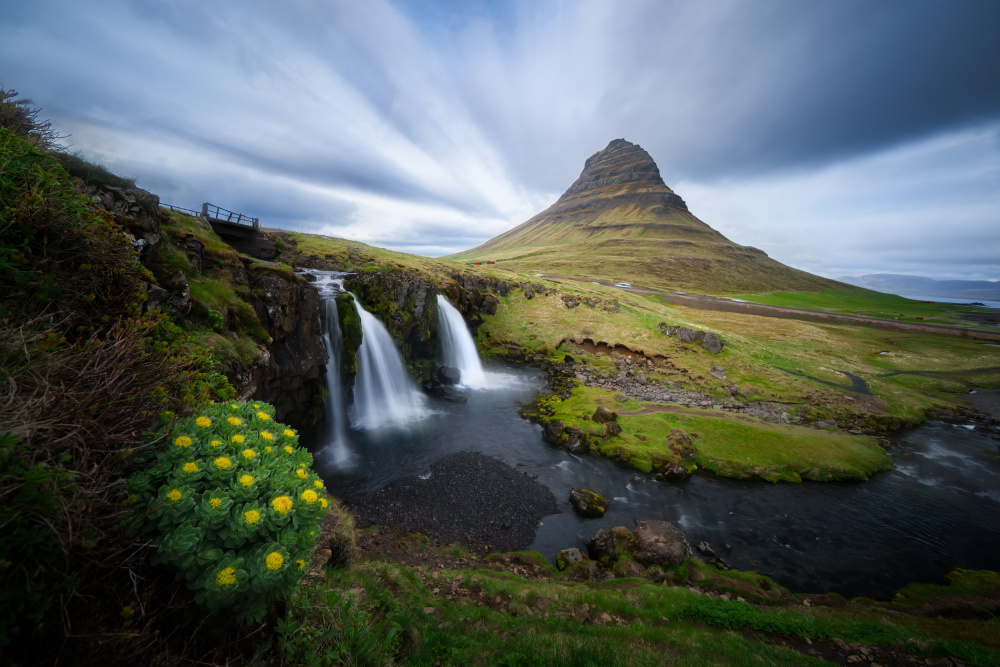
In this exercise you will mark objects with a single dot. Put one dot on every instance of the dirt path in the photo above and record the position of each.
(725, 305)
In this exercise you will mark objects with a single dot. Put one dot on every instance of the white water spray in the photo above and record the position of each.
(384, 394)
(457, 346)
(329, 286)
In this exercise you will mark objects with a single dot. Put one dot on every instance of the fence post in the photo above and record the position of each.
(204, 210)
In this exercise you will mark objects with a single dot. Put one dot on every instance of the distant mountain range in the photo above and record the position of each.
(620, 222)
(920, 286)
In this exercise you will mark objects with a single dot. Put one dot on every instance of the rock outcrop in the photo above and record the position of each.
(658, 543)
(587, 503)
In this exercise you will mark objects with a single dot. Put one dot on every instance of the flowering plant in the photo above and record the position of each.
(234, 505)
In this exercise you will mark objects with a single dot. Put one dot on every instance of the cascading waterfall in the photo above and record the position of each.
(384, 394)
(457, 346)
(329, 286)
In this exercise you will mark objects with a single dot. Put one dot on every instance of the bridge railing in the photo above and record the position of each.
(214, 212)
(189, 211)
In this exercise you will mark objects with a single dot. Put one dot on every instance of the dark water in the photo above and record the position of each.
(939, 505)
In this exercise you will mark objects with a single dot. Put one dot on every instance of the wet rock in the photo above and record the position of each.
(448, 375)
(660, 542)
(567, 557)
(608, 545)
(704, 548)
(587, 503)
(575, 445)
(553, 432)
(603, 415)
(712, 343)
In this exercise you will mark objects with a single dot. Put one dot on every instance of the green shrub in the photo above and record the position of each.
(234, 506)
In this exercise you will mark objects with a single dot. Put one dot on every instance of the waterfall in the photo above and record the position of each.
(335, 441)
(384, 394)
(457, 346)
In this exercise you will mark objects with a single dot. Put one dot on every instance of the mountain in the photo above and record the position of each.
(894, 283)
(619, 221)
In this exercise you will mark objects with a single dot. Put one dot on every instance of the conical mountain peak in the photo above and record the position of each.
(621, 162)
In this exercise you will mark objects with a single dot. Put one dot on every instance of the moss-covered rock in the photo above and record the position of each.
(350, 333)
(587, 503)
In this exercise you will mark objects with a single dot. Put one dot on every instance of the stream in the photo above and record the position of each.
(939, 505)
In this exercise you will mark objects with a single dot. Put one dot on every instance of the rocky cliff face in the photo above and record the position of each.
(276, 308)
(289, 308)
(405, 304)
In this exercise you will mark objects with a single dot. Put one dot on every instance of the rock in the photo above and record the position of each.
(569, 359)
(826, 423)
(587, 503)
(611, 429)
(566, 557)
(180, 298)
(553, 432)
(575, 445)
(156, 296)
(626, 567)
(704, 548)
(686, 335)
(448, 375)
(712, 343)
(660, 542)
(719, 563)
(528, 292)
(603, 415)
(671, 330)
(570, 302)
(662, 326)
(608, 545)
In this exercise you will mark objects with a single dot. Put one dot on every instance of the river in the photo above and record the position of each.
(939, 505)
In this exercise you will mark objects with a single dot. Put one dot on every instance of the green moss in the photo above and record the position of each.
(350, 332)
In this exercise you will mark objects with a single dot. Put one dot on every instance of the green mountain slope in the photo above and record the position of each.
(619, 221)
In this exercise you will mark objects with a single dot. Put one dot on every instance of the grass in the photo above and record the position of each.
(731, 445)
(868, 303)
(496, 618)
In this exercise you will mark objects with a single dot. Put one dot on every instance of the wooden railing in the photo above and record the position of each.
(189, 211)
(213, 212)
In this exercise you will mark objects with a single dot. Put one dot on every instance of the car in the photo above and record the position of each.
(623, 284)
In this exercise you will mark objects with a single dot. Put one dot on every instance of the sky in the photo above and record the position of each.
(842, 138)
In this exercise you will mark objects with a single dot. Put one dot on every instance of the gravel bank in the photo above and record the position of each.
(469, 499)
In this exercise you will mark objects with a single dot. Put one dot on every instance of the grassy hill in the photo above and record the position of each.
(620, 222)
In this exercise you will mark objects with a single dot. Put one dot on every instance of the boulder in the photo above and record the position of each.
(180, 299)
(574, 444)
(686, 335)
(449, 375)
(611, 429)
(567, 557)
(712, 343)
(626, 567)
(528, 292)
(587, 503)
(553, 432)
(671, 330)
(659, 542)
(603, 415)
(608, 545)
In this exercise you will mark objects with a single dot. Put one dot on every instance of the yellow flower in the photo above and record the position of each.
(215, 502)
(226, 577)
(282, 505)
(251, 517)
(268, 449)
(289, 433)
(183, 441)
(322, 503)
(256, 406)
(203, 422)
(131, 498)
(238, 438)
(223, 463)
(318, 484)
(289, 449)
(263, 416)
(235, 421)
(266, 435)
(301, 472)
(309, 496)
(190, 467)
(301, 564)
(274, 560)
(234, 406)
(215, 443)
(174, 495)
(248, 454)
(246, 481)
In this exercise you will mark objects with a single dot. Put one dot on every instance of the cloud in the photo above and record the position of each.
(432, 126)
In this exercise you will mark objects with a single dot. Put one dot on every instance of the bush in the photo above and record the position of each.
(233, 504)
